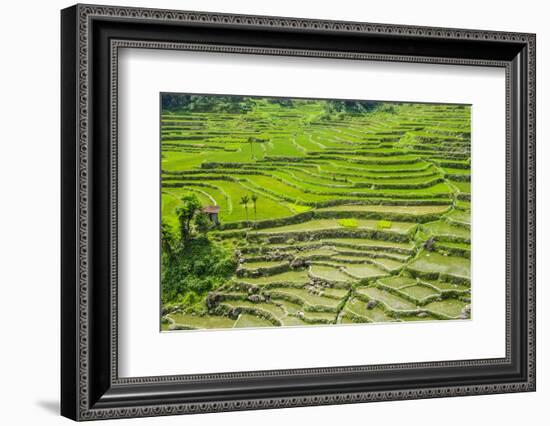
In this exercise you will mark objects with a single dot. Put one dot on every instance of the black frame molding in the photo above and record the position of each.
(90, 39)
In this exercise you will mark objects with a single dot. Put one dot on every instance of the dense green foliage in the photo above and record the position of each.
(192, 265)
(230, 104)
(350, 107)
(186, 212)
(240, 104)
(195, 268)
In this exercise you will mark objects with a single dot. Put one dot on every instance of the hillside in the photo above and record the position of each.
(361, 211)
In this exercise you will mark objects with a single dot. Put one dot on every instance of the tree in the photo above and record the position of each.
(254, 198)
(204, 103)
(244, 202)
(202, 223)
(186, 213)
(166, 238)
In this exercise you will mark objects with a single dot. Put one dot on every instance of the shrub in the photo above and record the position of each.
(195, 269)
(348, 223)
(384, 224)
(202, 223)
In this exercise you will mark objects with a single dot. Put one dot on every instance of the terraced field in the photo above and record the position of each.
(360, 214)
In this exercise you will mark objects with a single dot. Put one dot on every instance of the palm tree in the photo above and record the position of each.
(244, 201)
(254, 198)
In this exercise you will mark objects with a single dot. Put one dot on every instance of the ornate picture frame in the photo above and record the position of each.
(91, 37)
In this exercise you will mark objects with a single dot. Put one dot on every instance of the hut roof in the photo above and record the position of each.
(211, 209)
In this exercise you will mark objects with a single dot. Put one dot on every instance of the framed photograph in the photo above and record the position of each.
(263, 212)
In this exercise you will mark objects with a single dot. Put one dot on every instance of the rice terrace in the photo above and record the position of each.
(294, 212)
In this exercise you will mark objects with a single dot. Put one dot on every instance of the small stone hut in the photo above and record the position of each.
(212, 212)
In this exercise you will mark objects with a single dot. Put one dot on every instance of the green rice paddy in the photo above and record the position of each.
(360, 215)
